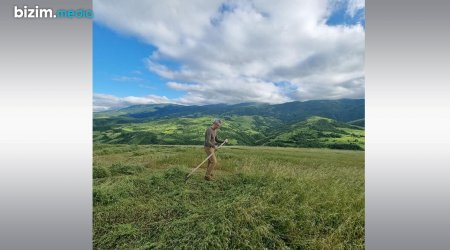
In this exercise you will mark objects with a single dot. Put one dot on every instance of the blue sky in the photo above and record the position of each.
(342, 16)
(119, 66)
(226, 52)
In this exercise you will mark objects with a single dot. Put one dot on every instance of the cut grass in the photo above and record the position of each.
(273, 198)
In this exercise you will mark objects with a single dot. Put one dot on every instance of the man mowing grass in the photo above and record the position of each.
(211, 142)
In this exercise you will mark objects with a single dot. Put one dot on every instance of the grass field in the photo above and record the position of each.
(262, 198)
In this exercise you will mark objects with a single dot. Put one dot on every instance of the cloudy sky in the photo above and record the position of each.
(211, 51)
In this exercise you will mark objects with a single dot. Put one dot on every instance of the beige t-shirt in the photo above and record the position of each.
(211, 137)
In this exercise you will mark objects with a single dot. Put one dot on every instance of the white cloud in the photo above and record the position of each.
(235, 51)
(103, 102)
(127, 79)
(354, 5)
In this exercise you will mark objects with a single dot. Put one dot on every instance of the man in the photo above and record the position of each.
(211, 142)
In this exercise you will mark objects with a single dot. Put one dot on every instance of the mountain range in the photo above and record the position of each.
(320, 123)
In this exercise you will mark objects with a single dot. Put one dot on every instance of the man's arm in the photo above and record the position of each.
(218, 140)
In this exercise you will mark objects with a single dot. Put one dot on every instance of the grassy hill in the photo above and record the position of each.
(242, 130)
(296, 124)
(263, 198)
(319, 132)
(359, 122)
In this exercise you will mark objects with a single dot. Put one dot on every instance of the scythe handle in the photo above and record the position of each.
(187, 176)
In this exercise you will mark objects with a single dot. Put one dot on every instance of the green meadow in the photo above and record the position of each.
(248, 130)
(263, 197)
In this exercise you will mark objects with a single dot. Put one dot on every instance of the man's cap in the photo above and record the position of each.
(217, 121)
